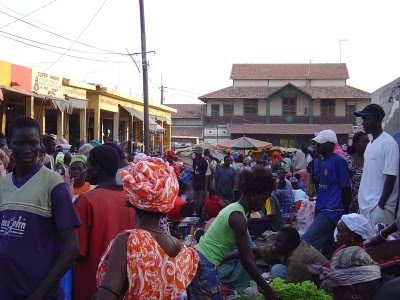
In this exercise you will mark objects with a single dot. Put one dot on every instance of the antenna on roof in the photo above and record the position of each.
(308, 73)
(340, 49)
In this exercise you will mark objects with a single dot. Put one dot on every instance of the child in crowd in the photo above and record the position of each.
(284, 198)
(299, 194)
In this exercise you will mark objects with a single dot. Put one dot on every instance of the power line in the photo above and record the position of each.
(60, 36)
(58, 47)
(182, 91)
(24, 16)
(73, 56)
(73, 43)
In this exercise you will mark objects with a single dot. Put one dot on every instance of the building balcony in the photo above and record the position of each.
(215, 120)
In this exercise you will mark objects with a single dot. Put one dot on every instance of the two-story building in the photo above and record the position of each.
(285, 104)
(187, 123)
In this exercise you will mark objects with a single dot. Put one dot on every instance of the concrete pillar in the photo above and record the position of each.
(129, 127)
(40, 118)
(82, 125)
(115, 127)
(30, 106)
(60, 124)
(97, 124)
(3, 117)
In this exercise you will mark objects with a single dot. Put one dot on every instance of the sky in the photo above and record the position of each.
(193, 44)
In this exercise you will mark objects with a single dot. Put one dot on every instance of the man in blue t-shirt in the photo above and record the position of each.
(38, 239)
(333, 195)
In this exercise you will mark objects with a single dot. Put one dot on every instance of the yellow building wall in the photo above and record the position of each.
(302, 104)
(5, 73)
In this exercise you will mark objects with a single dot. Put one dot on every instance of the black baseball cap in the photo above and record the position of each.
(371, 109)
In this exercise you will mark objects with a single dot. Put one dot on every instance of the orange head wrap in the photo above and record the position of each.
(150, 184)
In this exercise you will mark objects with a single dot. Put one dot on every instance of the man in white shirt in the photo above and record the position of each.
(377, 196)
(300, 159)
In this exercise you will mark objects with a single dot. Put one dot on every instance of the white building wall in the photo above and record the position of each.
(276, 106)
(238, 107)
(302, 104)
(262, 104)
(282, 82)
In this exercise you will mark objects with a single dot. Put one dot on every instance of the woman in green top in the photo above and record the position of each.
(228, 230)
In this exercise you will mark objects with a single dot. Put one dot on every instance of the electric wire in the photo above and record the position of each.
(24, 16)
(61, 36)
(74, 56)
(58, 47)
(73, 43)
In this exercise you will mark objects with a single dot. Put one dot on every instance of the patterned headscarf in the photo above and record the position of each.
(79, 157)
(350, 266)
(150, 184)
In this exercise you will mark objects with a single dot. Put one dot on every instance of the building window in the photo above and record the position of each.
(328, 108)
(215, 110)
(351, 118)
(289, 106)
(250, 107)
(228, 109)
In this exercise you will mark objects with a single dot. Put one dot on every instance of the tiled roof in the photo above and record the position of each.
(187, 131)
(262, 92)
(288, 129)
(289, 71)
(187, 111)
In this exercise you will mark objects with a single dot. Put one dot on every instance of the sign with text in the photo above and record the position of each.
(108, 103)
(47, 84)
(74, 92)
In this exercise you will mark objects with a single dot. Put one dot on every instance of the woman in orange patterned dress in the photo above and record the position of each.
(145, 263)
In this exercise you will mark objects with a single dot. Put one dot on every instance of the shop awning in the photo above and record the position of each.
(134, 112)
(158, 129)
(21, 92)
(78, 103)
(153, 126)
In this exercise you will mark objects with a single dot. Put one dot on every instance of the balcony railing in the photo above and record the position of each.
(214, 120)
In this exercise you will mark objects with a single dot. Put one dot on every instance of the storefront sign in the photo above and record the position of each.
(74, 92)
(46, 84)
(108, 103)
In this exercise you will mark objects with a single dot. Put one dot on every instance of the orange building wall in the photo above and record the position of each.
(22, 76)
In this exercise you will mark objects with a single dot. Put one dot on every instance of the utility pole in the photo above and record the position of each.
(145, 81)
(162, 91)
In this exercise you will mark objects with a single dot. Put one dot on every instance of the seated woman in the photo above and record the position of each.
(228, 230)
(144, 263)
(355, 275)
(352, 230)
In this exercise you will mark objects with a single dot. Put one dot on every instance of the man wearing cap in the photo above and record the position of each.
(333, 194)
(377, 196)
(200, 184)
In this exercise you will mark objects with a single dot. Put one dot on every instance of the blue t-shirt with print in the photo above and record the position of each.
(333, 176)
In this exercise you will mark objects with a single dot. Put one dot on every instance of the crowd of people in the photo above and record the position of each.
(96, 222)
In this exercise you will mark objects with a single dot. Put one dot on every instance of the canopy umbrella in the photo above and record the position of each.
(244, 143)
(206, 145)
